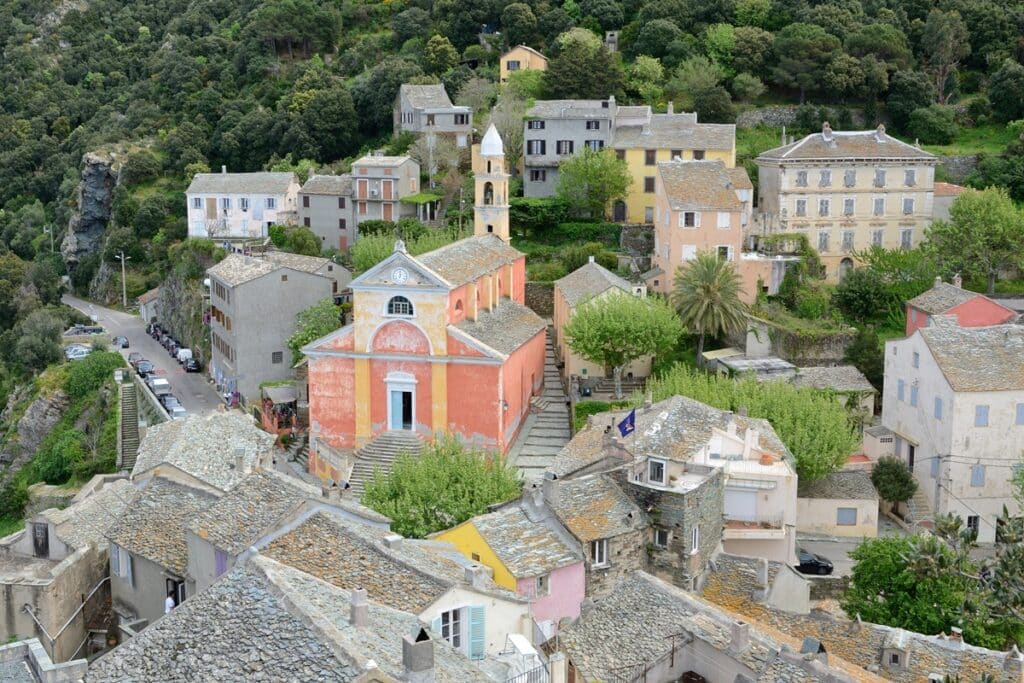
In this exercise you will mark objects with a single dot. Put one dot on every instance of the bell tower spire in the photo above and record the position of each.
(490, 213)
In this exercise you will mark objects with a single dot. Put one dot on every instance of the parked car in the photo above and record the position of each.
(78, 330)
(183, 355)
(121, 342)
(168, 401)
(811, 563)
(76, 352)
(158, 385)
(177, 412)
(144, 368)
(192, 365)
(134, 357)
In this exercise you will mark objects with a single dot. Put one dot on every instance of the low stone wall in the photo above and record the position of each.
(540, 298)
(43, 496)
(637, 239)
(959, 167)
(828, 587)
(785, 115)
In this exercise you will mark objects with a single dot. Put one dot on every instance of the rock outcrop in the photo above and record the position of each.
(89, 221)
(35, 424)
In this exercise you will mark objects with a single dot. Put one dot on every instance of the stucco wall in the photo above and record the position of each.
(145, 597)
(818, 516)
(323, 215)
(637, 201)
(501, 617)
(566, 590)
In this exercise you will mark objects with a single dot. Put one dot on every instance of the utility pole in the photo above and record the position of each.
(124, 286)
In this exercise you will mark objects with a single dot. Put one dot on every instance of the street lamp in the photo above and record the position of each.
(124, 286)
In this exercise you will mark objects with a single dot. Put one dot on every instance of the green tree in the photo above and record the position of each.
(885, 42)
(615, 330)
(301, 240)
(694, 75)
(519, 23)
(706, 293)
(753, 12)
(860, 296)
(714, 105)
(507, 117)
(893, 479)
(746, 87)
(982, 238)
(583, 68)
(933, 125)
(867, 354)
(410, 23)
(1006, 91)
(720, 44)
(753, 51)
(445, 486)
(908, 90)
(311, 323)
(645, 78)
(608, 13)
(371, 250)
(945, 41)
(904, 273)
(590, 180)
(655, 38)
(804, 52)
(440, 55)
(38, 340)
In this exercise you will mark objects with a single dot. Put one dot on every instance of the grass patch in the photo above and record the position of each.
(751, 142)
(8, 525)
(987, 139)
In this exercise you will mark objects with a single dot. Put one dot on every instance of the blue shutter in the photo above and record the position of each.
(935, 467)
(477, 632)
(435, 626)
(1020, 413)
(977, 475)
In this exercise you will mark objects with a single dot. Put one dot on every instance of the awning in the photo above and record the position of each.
(282, 394)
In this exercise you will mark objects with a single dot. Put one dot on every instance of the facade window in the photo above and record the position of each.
(342, 224)
(723, 220)
(846, 516)
(698, 154)
(538, 175)
(277, 357)
(648, 214)
(535, 125)
(220, 561)
(225, 203)
(676, 154)
(563, 147)
(908, 206)
(620, 154)
(974, 523)
(901, 388)
(284, 278)
(879, 177)
(689, 252)
(305, 221)
(543, 584)
(878, 207)
(848, 205)
(848, 240)
(341, 202)
(512, 65)
(197, 202)
(461, 119)
(823, 241)
(801, 207)
(825, 179)
(981, 416)
(593, 125)
(305, 201)
(243, 203)
(269, 203)
(656, 471)
(910, 177)
(850, 178)
(935, 467)
(916, 359)
(724, 253)
(451, 627)
(894, 659)
(695, 539)
(362, 208)
(650, 157)
(399, 305)
(595, 145)
(906, 238)
(599, 552)
(430, 119)
(913, 395)
(649, 184)
(661, 538)
(977, 475)
(1020, 414)
(801, 178)
(535, 147)
(824, 206)
(938, 408)
(688, 219)
(877, 237)
(475, 556)
(121, 564)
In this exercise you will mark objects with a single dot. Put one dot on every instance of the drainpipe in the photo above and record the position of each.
(27, 608)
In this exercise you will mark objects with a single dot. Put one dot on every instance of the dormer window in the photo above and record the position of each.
(399, 305)
(656, 471)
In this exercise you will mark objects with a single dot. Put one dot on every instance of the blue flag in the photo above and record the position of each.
(628, 424)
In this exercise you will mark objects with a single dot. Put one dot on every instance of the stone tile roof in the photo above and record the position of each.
(87, 521)
(699, 186)
(594, 507)
(568, 109)
(942, 297)
(740, 179)
(251, 509)
(300, 262)
(426, 96)
(836, 378)
(16, 671)
(844, 484)
(470, 258)
(205, 447)
(333, 185)
(153, 526)
(526, 548)
(977, 358)
(266, 621)
(146, 297)
(381, 161)
(242, 183)
(675, 131)
(860, 144)
(633, 626)
(236, 269)
(504, 329)
(588, 281)
(731, 584)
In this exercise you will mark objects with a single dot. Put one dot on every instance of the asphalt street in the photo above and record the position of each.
(196, 394)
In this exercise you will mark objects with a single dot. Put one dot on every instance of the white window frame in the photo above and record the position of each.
(849, 238)
(1019, 418)
(878, 206)
(824, 239)
(651, 464)
(534, 125)
(658, 533)
(907, 238)
(850, 178)
(729, 254)
(452, 627)
(849, 206)
(824, 206)
(910, 177)
(695, 540)
(225, 203)
(901, 390)
(599, 553)
(696, 219)
(877, 237)
(197, 202)
(270, 203)
(879, 178)
(543, 585)
(801, 178)
(801, 207)
(825, 178)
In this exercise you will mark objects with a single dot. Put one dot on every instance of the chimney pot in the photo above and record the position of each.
(740, 636)
(418, 657)
(671, 107)
(958, 281)
(223, 169)
(938, 280)
(590, 259)
(360, 612)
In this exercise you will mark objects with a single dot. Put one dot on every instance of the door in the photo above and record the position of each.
(910, 456)
(406, 410)
(41, 539)
(388, 212)
(741, 505)
(401, 410)
(620, 211)
(211, 208)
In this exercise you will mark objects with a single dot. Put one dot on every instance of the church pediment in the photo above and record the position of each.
(399, 270)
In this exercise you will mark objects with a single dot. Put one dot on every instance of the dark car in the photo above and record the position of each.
(169, 400)
(172, 349)
(192, 365)
(144, 368)
(810, 563)
(134, 357)
(121, 342)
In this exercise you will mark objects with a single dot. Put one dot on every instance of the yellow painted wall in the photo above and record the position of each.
(637, 200)
(468, 540)
(527, 61)
(431, 315)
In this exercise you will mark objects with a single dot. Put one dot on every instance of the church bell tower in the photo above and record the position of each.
(490, 213)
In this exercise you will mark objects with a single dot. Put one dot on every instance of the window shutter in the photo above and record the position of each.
(477, 634)
(129, 572)
(435, 626)
(696, 218)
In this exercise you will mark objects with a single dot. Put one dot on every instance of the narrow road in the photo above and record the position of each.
(197, 396)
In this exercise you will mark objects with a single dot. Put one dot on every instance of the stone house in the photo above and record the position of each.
(57, 563)
(230, 206)
(846, 191)
(843, 503)
(970, 308)
(846, 381)
(253, 304)
(521, 58)
(149, 305)
(590, 281)
(380, 183)
(278, 623)
(945, 195)
(326, 208)
(954, 400)
(427, 110)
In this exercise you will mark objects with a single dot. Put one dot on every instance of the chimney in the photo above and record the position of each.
(671, 109)
(265, 460)
(590, 259)
(956, 633)
(791, 139)
(958, 281)
(533, 503)
(240, 459)
(360, 613)
(730, 423)
(334, 493)
(224, 169)
(938, 280)
(750, 441)
(826, 132)
(551, 488)
(783, 141)
(418, 657)
(740, 636)
(477, 575)
(393, 541)
(880, 133)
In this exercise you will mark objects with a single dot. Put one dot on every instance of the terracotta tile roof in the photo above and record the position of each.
(977, 358)
(942, 297)
(844, 485)
(426, 96)
(675, 131)
(526, 548)
(334, 185)
(146, 297)
(588, 281)
(242, 183)
(504, 329)
(837, 378)
(594, 507)
(861, 144)
(699, 186)
(154, 525)
(470, 258)
(948, 189)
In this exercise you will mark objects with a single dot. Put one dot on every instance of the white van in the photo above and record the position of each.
(184, 355)
(159, 386)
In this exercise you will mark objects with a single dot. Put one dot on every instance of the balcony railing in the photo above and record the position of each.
(641, 673)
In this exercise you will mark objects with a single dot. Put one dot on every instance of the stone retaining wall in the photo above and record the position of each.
(540, 298)
(959, 167)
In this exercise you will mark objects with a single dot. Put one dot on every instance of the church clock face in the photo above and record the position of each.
(399, 276)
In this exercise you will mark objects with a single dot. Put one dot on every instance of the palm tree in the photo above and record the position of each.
(707, 296)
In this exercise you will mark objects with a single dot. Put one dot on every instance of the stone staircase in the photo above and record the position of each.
(919, 511)
(128, 435)
(546, 428)
(379, 454)
(607, 386)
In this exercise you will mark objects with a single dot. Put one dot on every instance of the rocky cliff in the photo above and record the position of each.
(24, 436)
(95, 196)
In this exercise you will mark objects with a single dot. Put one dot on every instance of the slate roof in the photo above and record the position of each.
(468, 259)
(588, 281)
(740, 179)
(504, 329)
(977, 358)
(205, 447)
(87, 521)
(154, 525)
(633, 626)
(675, 131)
(251, 509)
(568, 109)
(854, 646)
(17, 671)
(426, 96)
(526, 548)
(837, 378)
(861, 144)
(333, 185)
(594, 507)
(300, 262)
(381, 161)
(841, 485)
(236, 269)
(942, 297)
(266, 621)
(242, 183)
(699, 186)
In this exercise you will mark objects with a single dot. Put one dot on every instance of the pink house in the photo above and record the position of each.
(970, 308)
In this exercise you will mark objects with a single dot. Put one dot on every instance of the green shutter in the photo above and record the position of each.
(477, 632)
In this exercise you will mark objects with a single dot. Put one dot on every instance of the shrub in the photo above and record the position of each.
(861, 295)
(534, 215)
(576, 257)
(140, 167)
(893, 479)
(607, 233)
(89, 373)
(377, 227)
(545, 271)
(933, 125)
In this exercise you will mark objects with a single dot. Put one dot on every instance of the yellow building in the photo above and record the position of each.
(521, 58)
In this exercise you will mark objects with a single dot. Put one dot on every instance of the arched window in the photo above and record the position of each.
(458, 305)
(399, 305)
(488, 194)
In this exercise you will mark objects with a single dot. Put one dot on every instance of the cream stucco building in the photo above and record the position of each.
(846, 191)
(521, 58)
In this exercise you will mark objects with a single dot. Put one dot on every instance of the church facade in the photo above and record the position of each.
(441, 343)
